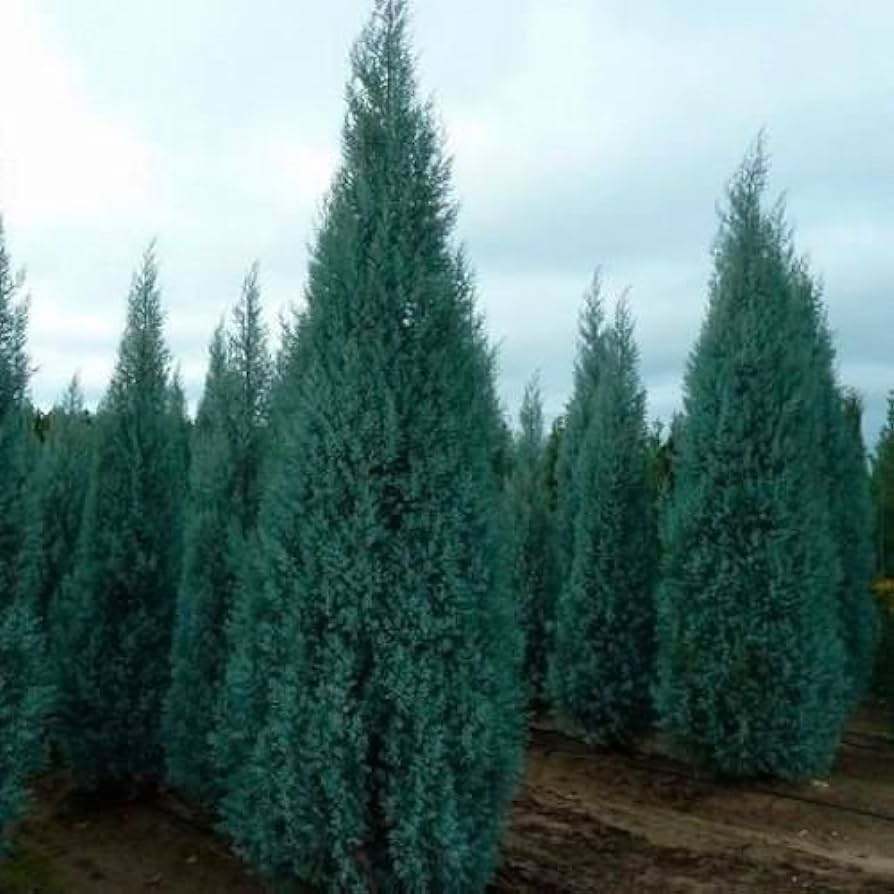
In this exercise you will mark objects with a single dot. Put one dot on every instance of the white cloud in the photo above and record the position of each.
(60, 160)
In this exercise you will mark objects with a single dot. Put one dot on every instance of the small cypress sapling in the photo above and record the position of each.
(227, 455)
(388, 742)
(751, 660)
(117, 606)
(532, 538)
(602, 667)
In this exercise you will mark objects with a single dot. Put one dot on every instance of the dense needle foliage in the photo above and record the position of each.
(602, 668)
(587, 369)
(383, 746)
(118, 604)
(25, 692)
(883, 495)
(533, 540)
(227, 453)
(57, 493)
(753, 666)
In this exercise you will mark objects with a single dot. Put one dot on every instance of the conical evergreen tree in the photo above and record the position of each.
(852, 507)
(846, 477)
(883, 513)
(117, 607)
(883, 495)
(587, 369)
(390, 739)
(751, 660)
(225, 475)
(603, 664)
(56, 504)
(24, 691)
(533, 542)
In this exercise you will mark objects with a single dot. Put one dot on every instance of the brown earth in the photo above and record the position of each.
(585, 821)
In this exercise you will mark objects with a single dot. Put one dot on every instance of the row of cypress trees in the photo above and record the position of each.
(300, 611)
(320, 609)
(745, 625)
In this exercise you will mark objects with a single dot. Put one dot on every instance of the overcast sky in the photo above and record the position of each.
(585, 133)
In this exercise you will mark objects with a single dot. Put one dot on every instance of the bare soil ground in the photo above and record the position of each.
(585, 821)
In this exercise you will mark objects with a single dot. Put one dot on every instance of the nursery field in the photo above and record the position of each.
(584, 821)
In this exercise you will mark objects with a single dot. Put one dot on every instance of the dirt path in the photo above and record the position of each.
(584, 822)
(598, 822)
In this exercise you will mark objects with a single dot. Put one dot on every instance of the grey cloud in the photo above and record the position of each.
(585, 134)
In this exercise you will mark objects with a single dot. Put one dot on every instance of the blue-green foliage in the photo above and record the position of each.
(883, 529)
(603, 664)
(26, 697)
(25, 694)
(116, 609)
(587, 369)
(533, 540)
(224, 493)
(56, 504)
(376, 643)
(883, 495)
(846, 477)
(751, 658)
(852, 506)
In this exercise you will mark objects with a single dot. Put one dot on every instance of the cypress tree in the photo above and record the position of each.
(227, 454)
(846, 478)
(852, 507)
(532, 538)
(25, 694)
(883, 495)
(751, 660)
(56, 504)
(883, 512)
(389, 741)
(587, 369)
(117, 606)
(603, 664)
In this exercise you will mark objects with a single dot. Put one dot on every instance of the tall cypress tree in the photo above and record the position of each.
(602, 668)
(852, 508)
(56, 504)
(883, 495)
(25, 693)
(227, 455)
(752, 664)
(390, 739)
(117, 607)
(846, 478)
(587, 368)
(533, 542)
